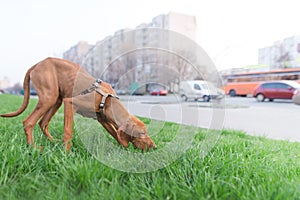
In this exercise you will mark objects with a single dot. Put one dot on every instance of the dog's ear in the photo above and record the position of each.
(138, 128)
(122, 137)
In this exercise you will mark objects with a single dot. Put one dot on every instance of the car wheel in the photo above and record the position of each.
(271, 100)
(206, 98)
(184, 98)
(232, 93)
(260, 97)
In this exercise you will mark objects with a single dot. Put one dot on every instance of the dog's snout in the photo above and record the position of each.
(144, 143)
(154, 146)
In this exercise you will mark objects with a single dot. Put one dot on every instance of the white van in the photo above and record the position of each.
(199, 90)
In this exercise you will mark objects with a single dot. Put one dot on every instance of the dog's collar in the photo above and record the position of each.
(95, 87)
(92, 88)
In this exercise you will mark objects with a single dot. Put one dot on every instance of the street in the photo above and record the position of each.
(278, 120)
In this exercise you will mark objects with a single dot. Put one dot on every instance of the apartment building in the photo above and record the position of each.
(4, 83)
(114, 60)
(282, 54)
(77, 52)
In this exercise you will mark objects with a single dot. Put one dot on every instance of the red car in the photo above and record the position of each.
(159, 92)
(275, 90)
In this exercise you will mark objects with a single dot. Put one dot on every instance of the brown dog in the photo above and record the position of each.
(60, 81)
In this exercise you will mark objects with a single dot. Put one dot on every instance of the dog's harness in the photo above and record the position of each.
(95, 87)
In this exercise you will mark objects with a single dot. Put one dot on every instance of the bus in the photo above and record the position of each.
(243, 84)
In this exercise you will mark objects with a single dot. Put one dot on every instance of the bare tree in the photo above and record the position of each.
(283, 57)
(16, 89)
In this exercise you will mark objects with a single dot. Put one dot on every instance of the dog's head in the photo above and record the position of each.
(120, 124)
(134, 131)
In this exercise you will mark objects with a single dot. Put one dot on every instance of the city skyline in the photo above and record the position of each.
(231, 32)
(139, 63)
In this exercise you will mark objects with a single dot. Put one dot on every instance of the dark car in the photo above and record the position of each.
(32, 92)
(275, 90)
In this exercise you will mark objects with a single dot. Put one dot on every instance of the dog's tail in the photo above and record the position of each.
(26, 87)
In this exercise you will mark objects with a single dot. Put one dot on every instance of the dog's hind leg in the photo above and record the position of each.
(44, 122)
(41, 108)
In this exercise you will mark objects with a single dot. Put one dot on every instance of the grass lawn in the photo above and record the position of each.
(237, 167)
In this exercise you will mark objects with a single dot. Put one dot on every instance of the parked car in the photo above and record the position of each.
(296, 97)
(275, 90)
(199, 89)
(159, 92)
(121, 91)
(32, 92)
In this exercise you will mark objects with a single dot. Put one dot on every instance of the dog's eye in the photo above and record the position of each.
(143, 135)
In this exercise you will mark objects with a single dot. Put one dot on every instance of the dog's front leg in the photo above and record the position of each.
(68, 123)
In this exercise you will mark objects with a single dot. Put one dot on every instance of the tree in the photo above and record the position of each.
(16, 89)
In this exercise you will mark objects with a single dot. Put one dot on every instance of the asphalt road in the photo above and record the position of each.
(278, 120)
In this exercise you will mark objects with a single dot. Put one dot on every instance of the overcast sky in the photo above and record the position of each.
(230, 31)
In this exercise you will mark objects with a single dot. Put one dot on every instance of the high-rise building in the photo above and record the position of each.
(113, 57)
(4, 83)
(282, 54)
(76, 52)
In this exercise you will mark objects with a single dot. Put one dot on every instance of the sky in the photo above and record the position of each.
(230, 31)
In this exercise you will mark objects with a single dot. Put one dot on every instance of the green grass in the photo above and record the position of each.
(237, 167)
